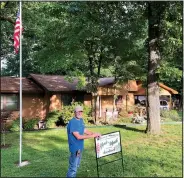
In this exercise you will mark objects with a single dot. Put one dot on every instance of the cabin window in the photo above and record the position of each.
(9, 102)
(66, 99)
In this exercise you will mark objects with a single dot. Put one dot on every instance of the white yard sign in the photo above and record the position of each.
(108, 144)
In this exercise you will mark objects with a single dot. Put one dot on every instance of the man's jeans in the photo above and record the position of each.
(74, 163)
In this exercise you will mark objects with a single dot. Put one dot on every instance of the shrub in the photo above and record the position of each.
(68, 112)
(56, 117)
(29, 124)
(15, 125)
(172, 114)
(52, 118)
(8, 125)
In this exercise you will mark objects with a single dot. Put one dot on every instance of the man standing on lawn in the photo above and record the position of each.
(76, 134)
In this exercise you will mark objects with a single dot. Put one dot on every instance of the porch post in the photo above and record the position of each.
(170, 103)
(114, 102)
(97, 105)
(100, 104)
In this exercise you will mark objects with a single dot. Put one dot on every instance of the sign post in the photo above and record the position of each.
(108, 144)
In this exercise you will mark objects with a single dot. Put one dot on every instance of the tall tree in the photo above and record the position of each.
(8, 17)
(156, 12)
(92, 37)
(165, 55)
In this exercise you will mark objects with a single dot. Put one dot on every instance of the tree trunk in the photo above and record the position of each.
(95, 99)
(155, 12)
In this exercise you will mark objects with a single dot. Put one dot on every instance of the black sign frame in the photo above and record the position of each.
(109, 154)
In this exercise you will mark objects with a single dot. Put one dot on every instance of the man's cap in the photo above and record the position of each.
(78, 108)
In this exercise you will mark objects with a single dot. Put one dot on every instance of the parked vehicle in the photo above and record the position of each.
(163, 104)
(143, 103)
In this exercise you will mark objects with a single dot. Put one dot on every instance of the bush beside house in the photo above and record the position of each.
(61, 118)
(52, 118)
(171, 115)
(30, 124)
(27, 124)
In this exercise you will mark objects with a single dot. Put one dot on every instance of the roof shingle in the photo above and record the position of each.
(142, 91)
(11, 85)
(60, 83)
(54, 82)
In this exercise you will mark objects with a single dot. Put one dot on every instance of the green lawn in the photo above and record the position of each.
(144, 155)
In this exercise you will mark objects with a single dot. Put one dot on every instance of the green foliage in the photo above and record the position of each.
(8, 125)
(104, 31)
(52, 118)
(102, 38)
(15, 125)
(29, 124)
(170, 71)
(68, 112)
(28, 42)
(171, 75)
(171, 114)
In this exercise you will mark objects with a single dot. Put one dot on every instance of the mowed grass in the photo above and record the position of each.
(143, 155)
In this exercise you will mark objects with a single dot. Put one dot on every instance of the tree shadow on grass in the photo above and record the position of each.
(130, 128)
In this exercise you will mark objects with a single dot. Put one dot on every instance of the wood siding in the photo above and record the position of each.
(55, 102)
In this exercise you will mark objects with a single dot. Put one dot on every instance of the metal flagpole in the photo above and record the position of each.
(20, 156)
(24, 163)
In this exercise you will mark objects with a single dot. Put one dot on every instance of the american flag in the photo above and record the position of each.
(16, 35)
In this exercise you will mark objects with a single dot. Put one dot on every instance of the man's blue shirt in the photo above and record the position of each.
(75, 125)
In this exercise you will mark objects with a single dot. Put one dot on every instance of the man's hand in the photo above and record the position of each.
(97, 135)
(80, 137)
(93, 135)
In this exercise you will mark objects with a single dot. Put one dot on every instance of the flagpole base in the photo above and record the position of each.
(23, 163)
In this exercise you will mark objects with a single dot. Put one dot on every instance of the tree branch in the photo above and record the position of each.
(7, 19)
